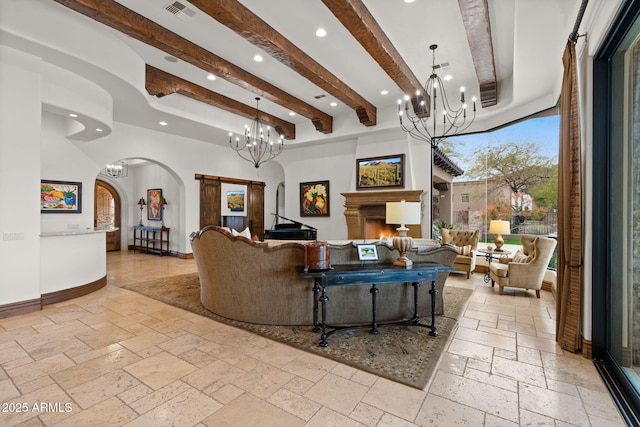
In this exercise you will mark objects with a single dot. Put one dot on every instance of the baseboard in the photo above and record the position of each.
(21, 307)
(587, 349)
(29, 306)
(71, 293)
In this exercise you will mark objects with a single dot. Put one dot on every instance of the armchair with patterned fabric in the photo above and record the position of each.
(466, 243)
(527, 266)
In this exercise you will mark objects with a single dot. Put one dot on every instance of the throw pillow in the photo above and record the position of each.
(244, 233)
(520, 258)
(464, 250)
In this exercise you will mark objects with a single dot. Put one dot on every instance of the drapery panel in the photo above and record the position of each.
(569, 303)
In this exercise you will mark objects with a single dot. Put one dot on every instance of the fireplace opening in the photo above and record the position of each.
(377, 228)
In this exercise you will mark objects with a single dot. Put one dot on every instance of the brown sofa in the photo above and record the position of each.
(257, 282)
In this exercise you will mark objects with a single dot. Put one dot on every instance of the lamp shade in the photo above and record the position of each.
(403, 213)
(141, 202)
(499, 227)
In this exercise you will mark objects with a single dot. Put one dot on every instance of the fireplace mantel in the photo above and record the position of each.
(372, 204)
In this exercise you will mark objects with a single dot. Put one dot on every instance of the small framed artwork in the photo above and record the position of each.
(233, 199)
(367, 252)
(380, 172)
(314, 198)
(154, 211)
(60, 197)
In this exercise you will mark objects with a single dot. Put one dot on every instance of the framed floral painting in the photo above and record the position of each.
(314, 198)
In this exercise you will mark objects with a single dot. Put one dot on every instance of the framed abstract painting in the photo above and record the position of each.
(60, 197)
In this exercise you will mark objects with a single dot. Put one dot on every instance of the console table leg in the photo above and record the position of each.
(433, 293)
(374, 292)
(323, 337)
(316, 296)
(416, 318)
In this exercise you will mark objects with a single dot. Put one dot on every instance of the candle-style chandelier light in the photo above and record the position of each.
(257, 147)
(438, 119)
(119, 169)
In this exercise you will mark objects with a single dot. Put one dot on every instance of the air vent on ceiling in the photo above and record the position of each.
(319, 96)
(444, 66)
(180, 10)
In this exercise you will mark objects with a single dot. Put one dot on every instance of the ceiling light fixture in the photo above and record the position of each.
(211, 77)
(423, 122)
(258, 58)
(119, 169)
(162, 123)
(321, 32)
(257, 142)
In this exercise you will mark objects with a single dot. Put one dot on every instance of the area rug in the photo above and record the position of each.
(406, 354)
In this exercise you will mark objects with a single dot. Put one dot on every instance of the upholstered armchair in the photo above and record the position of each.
(527, 266)
(466, 243)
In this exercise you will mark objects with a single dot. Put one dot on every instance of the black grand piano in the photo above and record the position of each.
(290, 231)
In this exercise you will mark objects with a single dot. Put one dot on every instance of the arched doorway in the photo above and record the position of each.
(107, 212)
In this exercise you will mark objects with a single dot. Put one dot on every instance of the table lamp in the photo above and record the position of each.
(163, 203)
(141, 203)
(403, 213)
(499, 228)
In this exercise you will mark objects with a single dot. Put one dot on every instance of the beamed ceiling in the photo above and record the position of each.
(507, 53)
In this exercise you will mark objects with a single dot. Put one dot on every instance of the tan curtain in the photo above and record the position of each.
(569, 304)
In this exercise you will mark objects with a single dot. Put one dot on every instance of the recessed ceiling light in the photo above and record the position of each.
(291, 113)
(73, 115)
(162, 123)
(258, 58)
(170, 58)
(409, 1)
(98, 130)
(447, 77)
(384, 92)
(321, 32)
(333, 104)
(211, 77)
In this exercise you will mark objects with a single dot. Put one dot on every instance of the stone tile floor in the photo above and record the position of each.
(118, 358)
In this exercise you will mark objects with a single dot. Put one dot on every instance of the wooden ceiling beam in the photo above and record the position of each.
(357, 19)
(248, 25)
(475, 16)
(118, 17)
(160, 83)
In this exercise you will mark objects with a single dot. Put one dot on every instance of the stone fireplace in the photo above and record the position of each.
(366, 212)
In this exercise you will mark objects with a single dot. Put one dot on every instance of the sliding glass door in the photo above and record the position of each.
(616, 244)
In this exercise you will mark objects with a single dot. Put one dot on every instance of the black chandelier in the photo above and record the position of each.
(257, 142)
(422, 122)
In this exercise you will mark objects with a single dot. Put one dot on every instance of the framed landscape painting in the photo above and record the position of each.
(314, 198)
(60, 197)
(234, 199)
(380, 172)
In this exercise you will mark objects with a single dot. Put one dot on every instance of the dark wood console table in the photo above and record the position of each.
(374, 275)
(151, 239)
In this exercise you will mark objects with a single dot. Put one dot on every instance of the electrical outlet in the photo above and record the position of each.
(12, 236)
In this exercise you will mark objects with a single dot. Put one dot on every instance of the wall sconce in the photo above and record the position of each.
(403, 213)
(499, 228)
(141, 203)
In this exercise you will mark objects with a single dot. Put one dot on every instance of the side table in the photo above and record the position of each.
(490, 254)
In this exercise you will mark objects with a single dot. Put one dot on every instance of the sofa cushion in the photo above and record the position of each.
(461, 259)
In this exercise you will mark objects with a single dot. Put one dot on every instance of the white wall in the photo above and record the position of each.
(20, 115)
